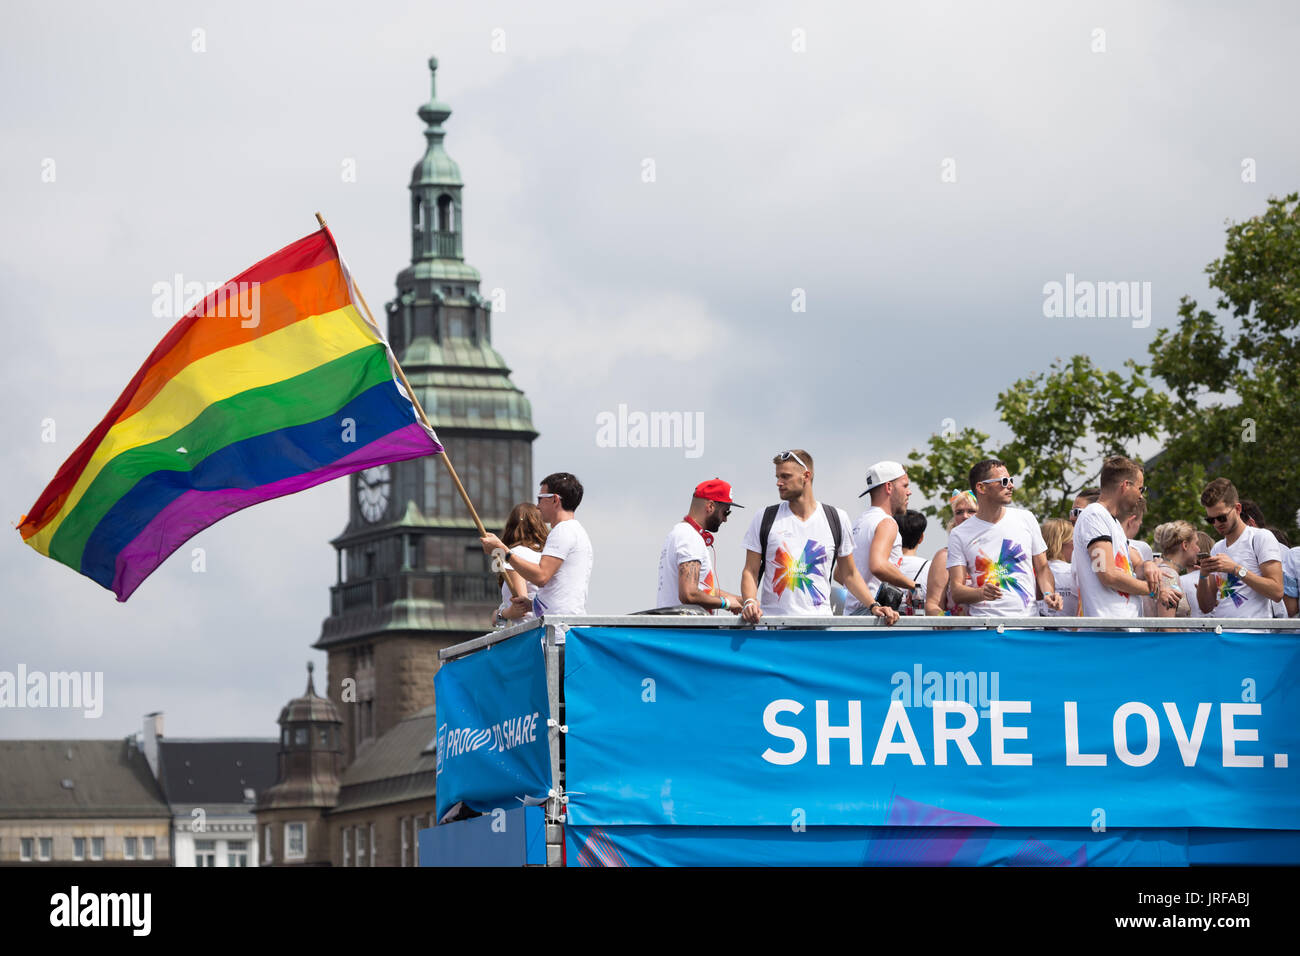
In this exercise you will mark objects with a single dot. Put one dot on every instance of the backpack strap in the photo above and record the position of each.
(837, 532)
(765, 529)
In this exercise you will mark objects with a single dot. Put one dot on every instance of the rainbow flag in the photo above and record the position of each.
(230, 410)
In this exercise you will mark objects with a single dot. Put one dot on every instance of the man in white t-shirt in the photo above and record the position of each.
(1103, 561)
(563, 574)
(791, 572)
(1291, 581)
(687, 571)
(1004, 548)
(1243, 573)
(877, 545)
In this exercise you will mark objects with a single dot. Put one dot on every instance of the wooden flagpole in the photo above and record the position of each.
(415, 399)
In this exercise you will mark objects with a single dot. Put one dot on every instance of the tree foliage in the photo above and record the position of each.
(1221, 394)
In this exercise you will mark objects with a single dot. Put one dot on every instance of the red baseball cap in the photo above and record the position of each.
(716, 490)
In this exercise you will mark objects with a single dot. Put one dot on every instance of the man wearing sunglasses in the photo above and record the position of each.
(563, 575)
(1103, 561)
(1003, 547)
(687, 572)
(877, 542)
(1243, 573)
(788, 571)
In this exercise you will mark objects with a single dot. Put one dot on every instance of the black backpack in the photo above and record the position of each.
(765, 528)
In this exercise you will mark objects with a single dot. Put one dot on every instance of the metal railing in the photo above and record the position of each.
(999, 624)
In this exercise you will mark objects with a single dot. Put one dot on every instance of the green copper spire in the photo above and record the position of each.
(436, 232)
(436, 168)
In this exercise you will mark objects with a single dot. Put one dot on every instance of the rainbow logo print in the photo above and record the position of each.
(1230, 588)
(1122, 564)
(797, 573)
(1003, 571)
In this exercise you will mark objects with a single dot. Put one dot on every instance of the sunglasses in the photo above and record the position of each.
(787, 455)
(1219, 519)
(1075, 512)
(1004, 482)
(549, 494)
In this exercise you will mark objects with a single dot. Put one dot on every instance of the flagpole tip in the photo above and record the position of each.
(320, 219)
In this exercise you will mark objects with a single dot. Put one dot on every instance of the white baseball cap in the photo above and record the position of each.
(881, 472)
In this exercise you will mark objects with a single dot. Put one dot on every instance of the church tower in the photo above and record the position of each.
(412, 577)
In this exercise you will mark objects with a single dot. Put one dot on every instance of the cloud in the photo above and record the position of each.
(775, 170)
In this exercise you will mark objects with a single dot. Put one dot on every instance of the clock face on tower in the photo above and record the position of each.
(373, 486)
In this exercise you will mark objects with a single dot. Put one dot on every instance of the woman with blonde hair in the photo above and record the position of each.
(525, 536)
(1179, 548)
(938, 600)
(1058, 535)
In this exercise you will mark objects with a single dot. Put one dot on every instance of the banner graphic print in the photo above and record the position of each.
(491, 717)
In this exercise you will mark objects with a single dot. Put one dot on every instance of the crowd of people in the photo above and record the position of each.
(803, 557)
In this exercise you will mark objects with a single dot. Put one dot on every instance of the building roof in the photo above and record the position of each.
(206, 772)
(310, 707)
(77, 778)
(395, 767)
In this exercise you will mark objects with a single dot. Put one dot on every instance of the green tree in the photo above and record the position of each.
(1064, 423)
(1234, 382)
(1223, 398)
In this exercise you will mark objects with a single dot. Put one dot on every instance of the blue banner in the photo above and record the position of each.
(1032, 729)
(871, 846)
(491, 714)
(925, 846)
(501, 838)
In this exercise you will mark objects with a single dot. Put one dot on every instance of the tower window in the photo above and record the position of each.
(295, 841)
(446, 217)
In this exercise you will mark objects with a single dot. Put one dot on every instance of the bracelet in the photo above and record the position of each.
(748, 602)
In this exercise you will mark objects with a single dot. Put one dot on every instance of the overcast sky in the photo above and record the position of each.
(793, 147)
